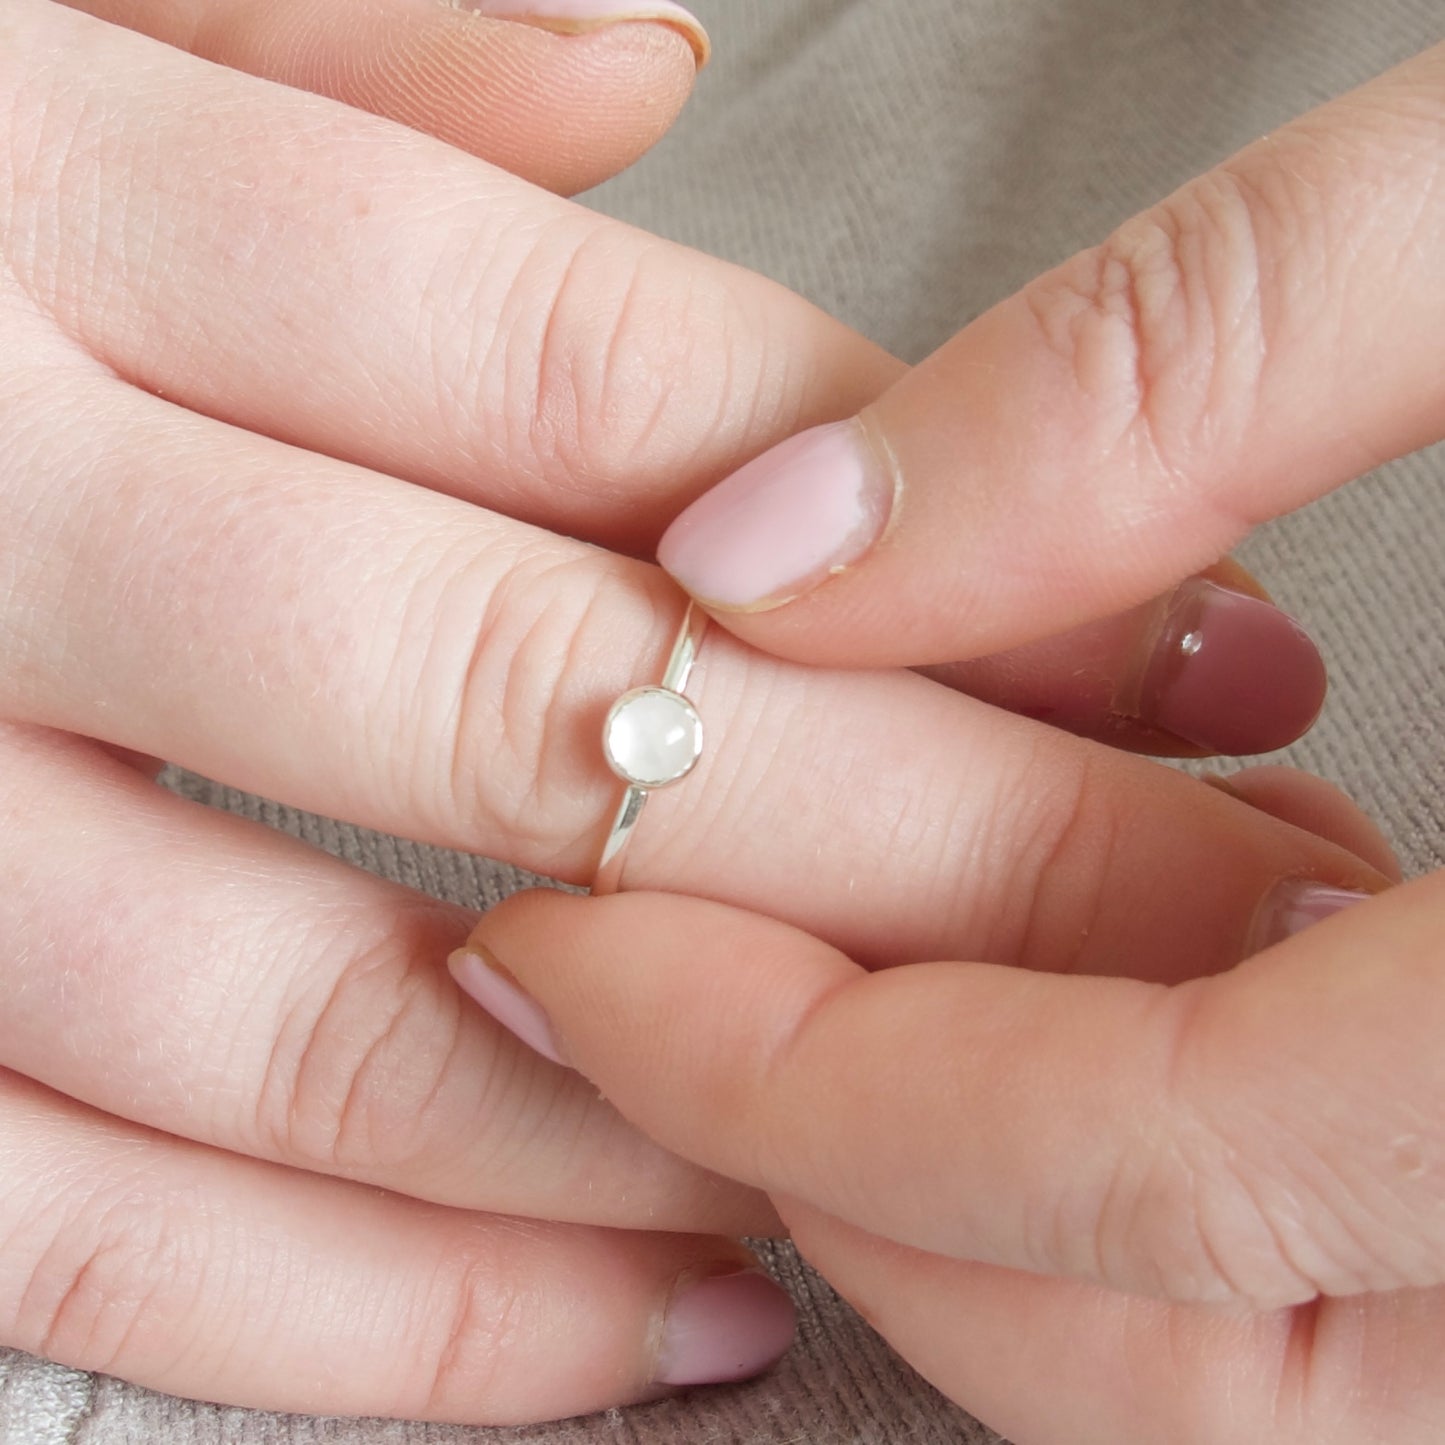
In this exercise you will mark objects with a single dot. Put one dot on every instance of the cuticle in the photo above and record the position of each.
(688, 1276)
(1128, 698)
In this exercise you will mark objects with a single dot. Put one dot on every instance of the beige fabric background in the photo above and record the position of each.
(905, 163)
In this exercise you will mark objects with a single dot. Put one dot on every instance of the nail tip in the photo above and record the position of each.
(699, 40)
(728, 608)
(676, 19)
(460, 961)
(501, 999)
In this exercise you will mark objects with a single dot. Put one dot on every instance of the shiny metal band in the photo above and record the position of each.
(652, 738)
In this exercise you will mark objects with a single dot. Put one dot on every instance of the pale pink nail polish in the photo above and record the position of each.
(724, 1327)
(1230, 673)
(488, 984)
(573, 17)
(785, 522)
(1297, 905)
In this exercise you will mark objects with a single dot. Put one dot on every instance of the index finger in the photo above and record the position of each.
(1260, 337)
(344, 284)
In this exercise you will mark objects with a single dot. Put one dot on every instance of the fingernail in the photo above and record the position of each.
(574, 17)
(1229, 673)
(795, 516)
(487, 983)
(1295, 906)
(728, 1326)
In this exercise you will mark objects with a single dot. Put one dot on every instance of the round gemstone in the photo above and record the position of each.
(653, 737)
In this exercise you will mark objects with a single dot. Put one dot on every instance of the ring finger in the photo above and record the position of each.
(376, 652)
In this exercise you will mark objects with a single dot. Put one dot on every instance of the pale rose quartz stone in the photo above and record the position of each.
(653, 737)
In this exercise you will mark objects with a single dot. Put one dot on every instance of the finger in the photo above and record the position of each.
(413, 664)
(389, 300)
(1213, 667)
(1126, 1369)
(203, 1274)
(564, 113)
(1317, 806)
(1265, 1136)
(1262, 336)
(303, 1017)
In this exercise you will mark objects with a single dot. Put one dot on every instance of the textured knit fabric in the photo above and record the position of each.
(905, 163)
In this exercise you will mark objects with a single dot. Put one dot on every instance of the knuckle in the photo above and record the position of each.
(471, 1364)
(528, 682)
(1163, 327)
(1208, 1235)
(111, 1270)
(1206, 1211)
(633, 357)
(360, 1061)
(1067, 835)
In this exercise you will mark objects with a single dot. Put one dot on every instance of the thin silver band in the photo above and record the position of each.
(674, 679)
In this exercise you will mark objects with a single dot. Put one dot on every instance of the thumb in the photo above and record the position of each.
(564, 93)
(1256, 1137)
(1252, 342)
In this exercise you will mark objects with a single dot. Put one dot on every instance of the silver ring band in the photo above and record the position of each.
(651, 739)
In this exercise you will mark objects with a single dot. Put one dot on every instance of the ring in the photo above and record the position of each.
(651, 739)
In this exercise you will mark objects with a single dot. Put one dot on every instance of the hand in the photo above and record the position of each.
(1263, 335)
(300, 412)
(1088, 1209)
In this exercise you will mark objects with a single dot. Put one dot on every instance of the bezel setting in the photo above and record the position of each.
(665, 742)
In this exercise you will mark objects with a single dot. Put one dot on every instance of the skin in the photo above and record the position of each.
(292, 461)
